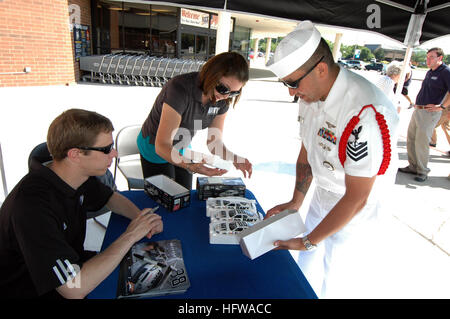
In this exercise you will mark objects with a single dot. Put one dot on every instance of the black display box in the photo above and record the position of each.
(167, 192)
(220, 187)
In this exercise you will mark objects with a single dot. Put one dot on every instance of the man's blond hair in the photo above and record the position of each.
(75, 128)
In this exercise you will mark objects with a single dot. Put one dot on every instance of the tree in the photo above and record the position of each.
(447, 59)
(379, 54)
(419, 57)
(366, 54)
(347, 51)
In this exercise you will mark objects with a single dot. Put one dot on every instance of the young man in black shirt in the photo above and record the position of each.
(43, 219)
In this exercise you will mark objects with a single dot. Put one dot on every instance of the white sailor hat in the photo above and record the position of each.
(295, 49)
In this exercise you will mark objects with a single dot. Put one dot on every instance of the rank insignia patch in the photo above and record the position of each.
(357, 150)
(328, 135)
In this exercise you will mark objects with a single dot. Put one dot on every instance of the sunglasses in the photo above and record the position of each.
(105, 149)
(223, 90)
(295, 84)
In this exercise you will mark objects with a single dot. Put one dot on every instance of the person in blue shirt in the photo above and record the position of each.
(432, 99)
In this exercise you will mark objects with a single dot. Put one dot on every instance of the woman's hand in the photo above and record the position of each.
(243, 165)
(201, 168)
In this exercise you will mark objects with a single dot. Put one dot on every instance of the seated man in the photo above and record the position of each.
(43, 219)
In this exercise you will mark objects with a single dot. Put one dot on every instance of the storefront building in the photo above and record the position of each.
(41, 42)
(159, 30)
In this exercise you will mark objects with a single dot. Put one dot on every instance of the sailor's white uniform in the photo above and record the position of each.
(321, 126)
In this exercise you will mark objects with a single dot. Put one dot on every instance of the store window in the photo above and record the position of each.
(212, 46)
(187, 43)
(135, 28)
(164, 31)
(201, 44)
(167, 31)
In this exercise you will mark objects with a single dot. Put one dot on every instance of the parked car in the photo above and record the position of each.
(342, 63)
(354, 64)
(375, 66)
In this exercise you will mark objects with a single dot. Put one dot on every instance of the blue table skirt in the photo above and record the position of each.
(215, 271)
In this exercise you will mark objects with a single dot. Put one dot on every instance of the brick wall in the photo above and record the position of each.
(36, 34)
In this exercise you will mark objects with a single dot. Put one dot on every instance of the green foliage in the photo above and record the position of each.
(447, 59)
(419, 57)
(348, 52)
(379, 54)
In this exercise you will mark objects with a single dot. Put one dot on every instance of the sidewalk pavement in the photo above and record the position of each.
(264, 128)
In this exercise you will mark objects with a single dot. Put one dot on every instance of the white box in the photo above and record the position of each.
(258, 239)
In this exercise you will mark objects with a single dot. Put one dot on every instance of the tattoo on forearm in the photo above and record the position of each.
(304, 177)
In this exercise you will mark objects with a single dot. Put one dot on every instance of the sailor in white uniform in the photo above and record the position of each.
(348, 132)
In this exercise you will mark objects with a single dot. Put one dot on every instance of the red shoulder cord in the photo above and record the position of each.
(384, 134)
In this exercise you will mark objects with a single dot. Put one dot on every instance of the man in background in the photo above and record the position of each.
(431, 100)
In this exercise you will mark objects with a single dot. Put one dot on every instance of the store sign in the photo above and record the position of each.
(215, 22)
(194, 18)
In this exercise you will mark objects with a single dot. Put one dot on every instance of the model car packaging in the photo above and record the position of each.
(258, 239)
(229, 216)
(220, 187)
(167, 192)
(153, 269)
(214, 204)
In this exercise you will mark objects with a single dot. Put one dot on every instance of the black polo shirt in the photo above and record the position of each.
(42, 232)
(184, 95)
(435, 86)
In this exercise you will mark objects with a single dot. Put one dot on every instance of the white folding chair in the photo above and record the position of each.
(128, 160)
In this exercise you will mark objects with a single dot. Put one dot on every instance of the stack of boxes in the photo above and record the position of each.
(229, 216)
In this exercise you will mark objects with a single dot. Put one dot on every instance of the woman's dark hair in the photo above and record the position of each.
(227, 64)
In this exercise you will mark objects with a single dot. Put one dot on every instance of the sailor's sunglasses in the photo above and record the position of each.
(105, 149)
(295, 84)
(223, 90)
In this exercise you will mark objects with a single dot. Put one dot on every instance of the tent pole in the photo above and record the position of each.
(401, 80)
(337, 46)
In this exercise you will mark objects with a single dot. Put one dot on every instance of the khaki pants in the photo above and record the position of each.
(420, 131)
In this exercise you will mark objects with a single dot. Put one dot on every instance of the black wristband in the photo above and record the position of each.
(442, 106)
